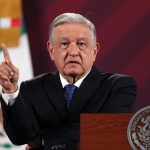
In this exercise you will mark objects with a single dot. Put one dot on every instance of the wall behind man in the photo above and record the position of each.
(122, 29)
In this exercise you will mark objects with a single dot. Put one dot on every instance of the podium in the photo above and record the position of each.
(104, 131)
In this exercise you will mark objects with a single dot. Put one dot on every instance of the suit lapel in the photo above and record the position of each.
(55, 93)
(85, 93)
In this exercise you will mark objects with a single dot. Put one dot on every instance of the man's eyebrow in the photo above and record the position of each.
(78, 39)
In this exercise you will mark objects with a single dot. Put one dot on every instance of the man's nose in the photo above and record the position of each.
(73, 49)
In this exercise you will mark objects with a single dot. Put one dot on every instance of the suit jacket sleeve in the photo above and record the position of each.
(20, 122)
(122, 95)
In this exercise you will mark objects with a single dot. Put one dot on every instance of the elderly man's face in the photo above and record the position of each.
(73, 49)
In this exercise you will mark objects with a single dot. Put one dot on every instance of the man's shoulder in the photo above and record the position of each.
(114, 78)
(40, 79)
(119, 80)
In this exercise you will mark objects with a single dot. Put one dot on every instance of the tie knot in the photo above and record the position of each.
(69, 90)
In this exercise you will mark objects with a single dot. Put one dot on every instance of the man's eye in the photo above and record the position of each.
(64, 45)
(82, 45)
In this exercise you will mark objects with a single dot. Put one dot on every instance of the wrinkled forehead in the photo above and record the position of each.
(73, 30)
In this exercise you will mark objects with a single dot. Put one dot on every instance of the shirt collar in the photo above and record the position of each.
(64, 82)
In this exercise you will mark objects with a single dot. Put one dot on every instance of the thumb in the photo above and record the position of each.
(14, 76)
(14, 68)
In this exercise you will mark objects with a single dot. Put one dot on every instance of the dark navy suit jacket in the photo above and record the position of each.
(40, 108)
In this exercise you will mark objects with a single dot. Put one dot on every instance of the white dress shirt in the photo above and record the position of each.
(64, 82)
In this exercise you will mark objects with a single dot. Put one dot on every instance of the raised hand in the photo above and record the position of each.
(9, 74)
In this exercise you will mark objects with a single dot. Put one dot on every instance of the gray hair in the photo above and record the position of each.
(71, 18)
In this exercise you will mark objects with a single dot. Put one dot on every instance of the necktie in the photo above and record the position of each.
(69, 90)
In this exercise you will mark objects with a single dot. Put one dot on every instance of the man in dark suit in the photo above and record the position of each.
(45, 111)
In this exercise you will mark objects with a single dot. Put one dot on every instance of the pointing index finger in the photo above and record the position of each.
(6, 53)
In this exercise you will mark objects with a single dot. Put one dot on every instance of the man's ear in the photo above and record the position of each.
(50, 50)
(96, 50)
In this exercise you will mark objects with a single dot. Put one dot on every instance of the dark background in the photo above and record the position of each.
(123, 30)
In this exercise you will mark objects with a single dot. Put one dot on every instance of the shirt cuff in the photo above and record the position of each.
(10, 98)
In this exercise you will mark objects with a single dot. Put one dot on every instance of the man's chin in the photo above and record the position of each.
(73, 73)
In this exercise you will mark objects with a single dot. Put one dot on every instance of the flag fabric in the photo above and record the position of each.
(14, 36)
(10, 22)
